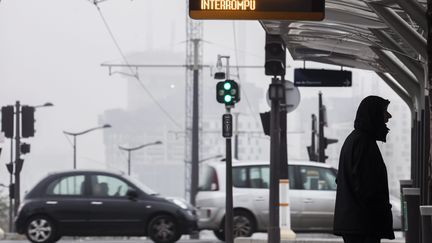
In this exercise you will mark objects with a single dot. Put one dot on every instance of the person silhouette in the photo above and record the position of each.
(363, 210)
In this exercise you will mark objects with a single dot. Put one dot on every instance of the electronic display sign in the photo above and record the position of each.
(257, 9)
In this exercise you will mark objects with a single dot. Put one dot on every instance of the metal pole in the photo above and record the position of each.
(429, 85)
(195, 128)
(321, 154)
(17, 156)
(11, 211)
(129, 162)
(283, 143)
(275, 92)
(74, 152)
(229, 212)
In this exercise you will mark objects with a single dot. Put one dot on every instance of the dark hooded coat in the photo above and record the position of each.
(362, 198)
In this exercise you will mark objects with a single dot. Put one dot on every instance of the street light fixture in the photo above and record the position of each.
(81, 133)
(129, 150)
(44, 105)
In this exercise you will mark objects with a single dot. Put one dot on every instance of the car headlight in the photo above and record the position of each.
(179, 203)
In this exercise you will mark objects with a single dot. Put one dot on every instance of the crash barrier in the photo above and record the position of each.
(404, 184)
(426, 223)
(412, 200)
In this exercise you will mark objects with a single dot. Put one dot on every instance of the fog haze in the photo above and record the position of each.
(52, 50)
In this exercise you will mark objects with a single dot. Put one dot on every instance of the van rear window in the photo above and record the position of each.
(208, 180)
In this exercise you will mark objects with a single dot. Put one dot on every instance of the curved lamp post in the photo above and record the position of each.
(44, 105)
(129, 150)
(81, 133)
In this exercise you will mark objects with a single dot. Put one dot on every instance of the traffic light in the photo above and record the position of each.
(7, 121)
(27, 121)
(227, 92)
(275, 55)
(25, 148)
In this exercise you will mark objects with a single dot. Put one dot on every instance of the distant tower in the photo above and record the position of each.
(194, 33)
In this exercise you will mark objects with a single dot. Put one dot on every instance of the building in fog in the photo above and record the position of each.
(155, 112)
(144, 122)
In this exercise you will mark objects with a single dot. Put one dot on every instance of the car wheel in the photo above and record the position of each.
(163, 229)
(243, 226)
(41, 229)
(220, 234)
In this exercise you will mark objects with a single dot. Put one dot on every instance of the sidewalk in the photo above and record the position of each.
(307, 238)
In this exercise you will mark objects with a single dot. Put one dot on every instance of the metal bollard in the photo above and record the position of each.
(404, 184)
(426, 223)
(412, 201)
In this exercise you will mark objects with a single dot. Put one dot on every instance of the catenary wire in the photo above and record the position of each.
(130, 68)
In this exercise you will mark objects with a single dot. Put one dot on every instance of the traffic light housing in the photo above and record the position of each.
(227, 92)
(25, 148)
(7, 121)
(27, 121)
(275, 55)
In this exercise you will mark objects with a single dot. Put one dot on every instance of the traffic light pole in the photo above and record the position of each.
(11, 202)
(276, 95)
(18, 163)
(229, 212)
(321, 152)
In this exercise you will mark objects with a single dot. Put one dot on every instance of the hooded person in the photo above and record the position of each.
(363, 210)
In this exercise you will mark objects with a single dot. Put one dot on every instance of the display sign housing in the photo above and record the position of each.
(257, 9)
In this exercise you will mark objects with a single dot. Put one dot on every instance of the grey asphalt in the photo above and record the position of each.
(207, 237)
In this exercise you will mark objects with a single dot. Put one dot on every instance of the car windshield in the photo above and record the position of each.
(142, 186)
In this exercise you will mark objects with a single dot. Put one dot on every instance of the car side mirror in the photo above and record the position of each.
(132, 194)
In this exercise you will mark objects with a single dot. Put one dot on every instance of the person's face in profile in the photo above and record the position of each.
(387, 116)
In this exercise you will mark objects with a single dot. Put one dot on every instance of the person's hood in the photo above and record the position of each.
(370, 117)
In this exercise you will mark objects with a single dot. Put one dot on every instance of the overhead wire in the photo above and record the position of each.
(254, 112)
(164, 111)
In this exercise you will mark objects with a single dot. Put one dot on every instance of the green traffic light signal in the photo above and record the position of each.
(227, 92)
(227, 85)
(227, 98)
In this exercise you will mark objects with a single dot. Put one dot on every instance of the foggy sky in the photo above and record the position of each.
(51, 50)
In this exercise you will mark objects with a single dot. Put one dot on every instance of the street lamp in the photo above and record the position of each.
(129, 150)
(81, 133)
(44, 105)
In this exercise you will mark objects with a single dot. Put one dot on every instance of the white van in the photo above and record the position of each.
(312, 197)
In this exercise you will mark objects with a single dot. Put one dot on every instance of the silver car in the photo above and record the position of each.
(312, 197)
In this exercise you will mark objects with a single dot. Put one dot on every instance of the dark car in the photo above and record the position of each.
(95, 203)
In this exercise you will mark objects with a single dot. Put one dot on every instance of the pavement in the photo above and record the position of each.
(208, 237)
(308, 238)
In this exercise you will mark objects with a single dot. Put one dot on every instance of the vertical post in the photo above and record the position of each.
(413, 147)
(11, 201)
(321, 154)
(429, 85)
(283, 143)
(195, 128)
(129, 162)
(276, 91)
(74, 152)
(229, 212)
(17, 156)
